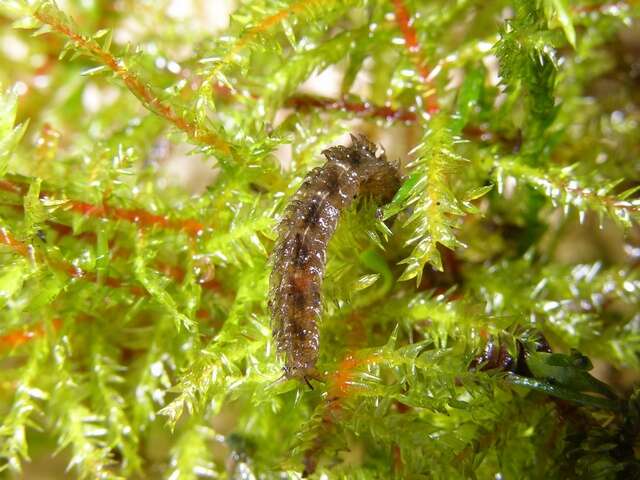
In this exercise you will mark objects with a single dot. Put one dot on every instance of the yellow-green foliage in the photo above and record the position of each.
(135, 340)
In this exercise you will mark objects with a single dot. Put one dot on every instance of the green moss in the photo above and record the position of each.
(135, 339)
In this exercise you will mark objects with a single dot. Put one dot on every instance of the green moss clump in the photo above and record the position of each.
(134, 335)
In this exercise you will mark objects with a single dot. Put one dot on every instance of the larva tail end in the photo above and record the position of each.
(306, 380)
(304, 375)
(313, 375)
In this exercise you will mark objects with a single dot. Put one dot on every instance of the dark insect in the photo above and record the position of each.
(497, 357)
(299, 256)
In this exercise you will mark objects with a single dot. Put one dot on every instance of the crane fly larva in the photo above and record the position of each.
(299, 256)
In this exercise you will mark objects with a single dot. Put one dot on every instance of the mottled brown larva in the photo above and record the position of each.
(299, 256)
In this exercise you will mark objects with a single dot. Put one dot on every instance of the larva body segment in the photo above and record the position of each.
(299, 257)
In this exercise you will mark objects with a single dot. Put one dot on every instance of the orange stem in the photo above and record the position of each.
(405, 23)
(135, 85)
(73, 271)
(137, 216)
(18, 337)
(302, 102)
(262, 27)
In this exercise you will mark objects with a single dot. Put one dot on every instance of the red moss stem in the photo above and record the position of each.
(266, 24)
(405, 23)
(73, 271)
(135, 85)
(365, 109)
(21, 248)
(15, 338)
(341, 381)
(340, 387)
(137, 216)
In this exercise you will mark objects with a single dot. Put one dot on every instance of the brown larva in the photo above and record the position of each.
(299, 256)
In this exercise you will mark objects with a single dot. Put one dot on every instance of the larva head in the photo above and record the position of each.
(360, 152)
(363, 148)
(378, 178)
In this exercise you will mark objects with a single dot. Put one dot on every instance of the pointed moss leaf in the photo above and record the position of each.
(9, 135)
(393, 339)
(474, 194)
(8, 109)
(279, 386)
(402, 196)
(101, 33)
(242, 238)
(8, 144)
(629, 192)
(107, 39)
(93, 71)
(102, 252)
(34, 210)
(11, 279)
(468, 97)
(562, 369)
(356, 61)
(383, 230)
(561, 10)
(289, 33)
(42, 30)
(50, 285)
(153, 284)
(564, 393)
(365, 281)
(477, 192)
(27, 23)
